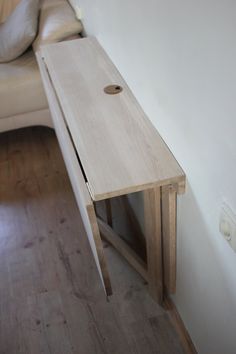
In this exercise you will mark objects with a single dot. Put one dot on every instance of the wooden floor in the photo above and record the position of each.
(51, 299)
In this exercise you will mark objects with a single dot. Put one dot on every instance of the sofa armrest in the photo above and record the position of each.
(57, 22)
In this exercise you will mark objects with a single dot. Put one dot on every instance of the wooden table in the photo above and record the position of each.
(111, 149)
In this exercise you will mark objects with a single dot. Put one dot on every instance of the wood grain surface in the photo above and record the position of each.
(120, 150)
(169, 237)
(153, 233)
(78, 183)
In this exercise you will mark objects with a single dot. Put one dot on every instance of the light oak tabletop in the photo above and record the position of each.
(119, 148)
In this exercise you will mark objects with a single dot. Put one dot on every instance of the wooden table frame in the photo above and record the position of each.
(160, 232)
(150, 168)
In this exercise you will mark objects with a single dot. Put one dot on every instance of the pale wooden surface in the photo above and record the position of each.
(82, 195)
(153, 233)
(52, 300)
(121, 152)
(169, 237)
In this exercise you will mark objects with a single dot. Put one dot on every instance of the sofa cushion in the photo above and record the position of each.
(21, 88)
(6, 8)
(19, 30)
(57, 22)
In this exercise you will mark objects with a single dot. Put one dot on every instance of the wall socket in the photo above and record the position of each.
(228, 225)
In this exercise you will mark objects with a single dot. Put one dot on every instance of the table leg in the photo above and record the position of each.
(169, 237)
(153, 232)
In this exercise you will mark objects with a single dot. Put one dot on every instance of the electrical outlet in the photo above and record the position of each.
(228, 225)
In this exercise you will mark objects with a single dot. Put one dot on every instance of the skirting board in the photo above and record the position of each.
(179, 326)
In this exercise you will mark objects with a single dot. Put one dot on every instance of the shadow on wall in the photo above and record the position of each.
(199, 279)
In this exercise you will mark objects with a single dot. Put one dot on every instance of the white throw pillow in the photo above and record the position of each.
(19, 30)
(57, 22)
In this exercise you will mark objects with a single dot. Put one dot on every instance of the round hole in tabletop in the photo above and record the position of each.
(113, 89)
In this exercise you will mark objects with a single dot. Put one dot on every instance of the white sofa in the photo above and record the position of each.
(22, 99)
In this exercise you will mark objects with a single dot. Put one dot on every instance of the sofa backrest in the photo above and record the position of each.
(6, 7)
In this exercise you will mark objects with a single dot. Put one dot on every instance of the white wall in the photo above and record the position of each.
(179, 58)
